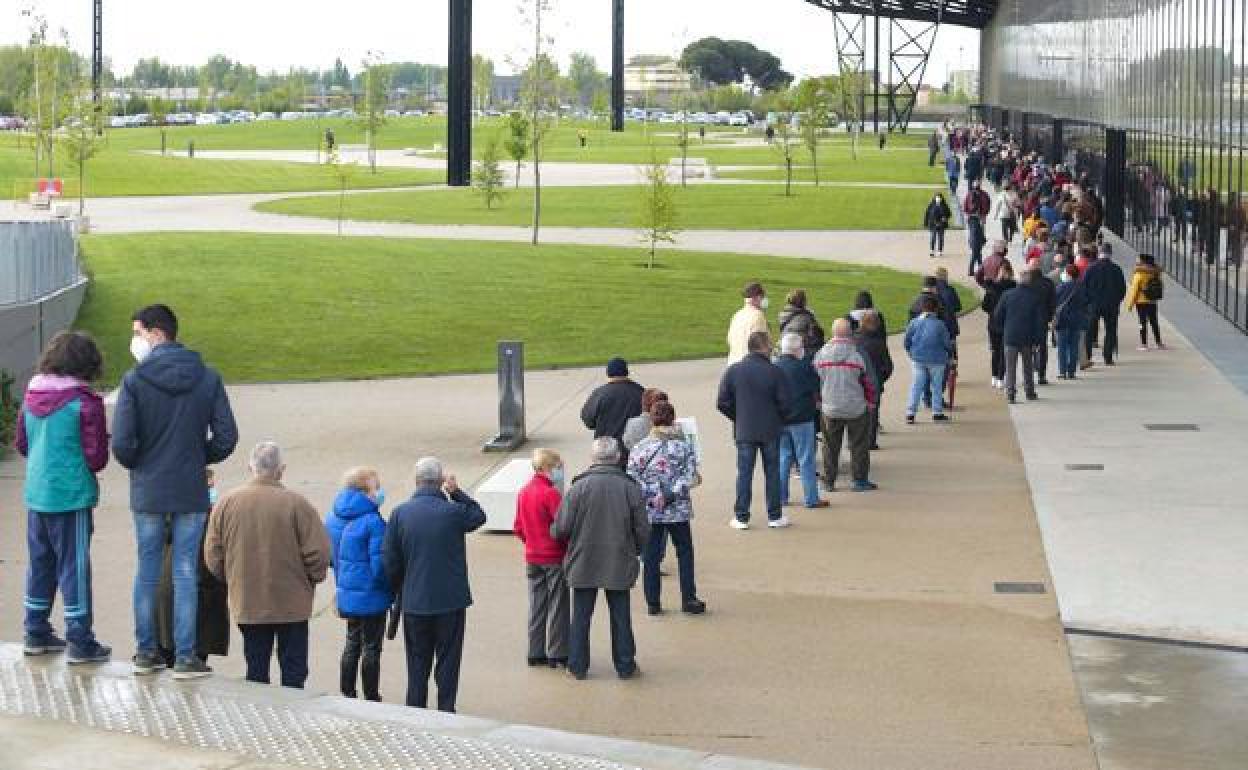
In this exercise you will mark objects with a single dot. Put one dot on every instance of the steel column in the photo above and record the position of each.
(459, 95)
(617, 65)
(97, 63)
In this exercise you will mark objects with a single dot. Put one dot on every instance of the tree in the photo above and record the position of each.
(600, 104)
(721, 62)
(487, 178)
(342, 174)
(376, 96)
(784, 143)
(682, 139)
(482, 79)
(83, 139)
(585, 79)
(657, 221)
(812, 103)
(517, 142)
(540, 98)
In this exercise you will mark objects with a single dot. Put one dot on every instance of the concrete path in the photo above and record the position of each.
(868, 635)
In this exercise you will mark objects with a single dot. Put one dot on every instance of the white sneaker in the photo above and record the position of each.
(994, 382)
(779, 523)
(736, 523)
(1143, 348)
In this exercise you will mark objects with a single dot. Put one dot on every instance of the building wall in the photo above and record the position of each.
(1150, 97)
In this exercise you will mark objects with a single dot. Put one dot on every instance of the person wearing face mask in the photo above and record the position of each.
(172, 420)
(936, 221)
(356, 532)
(1069, 321)
(536, 508)
(749, 320)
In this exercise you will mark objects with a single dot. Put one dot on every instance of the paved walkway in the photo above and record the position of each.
(869, 635)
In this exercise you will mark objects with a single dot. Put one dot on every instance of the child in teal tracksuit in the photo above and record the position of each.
(61, 431)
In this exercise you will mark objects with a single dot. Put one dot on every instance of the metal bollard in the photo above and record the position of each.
(511, 431)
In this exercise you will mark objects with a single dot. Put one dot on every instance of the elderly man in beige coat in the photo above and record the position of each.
(269, 546)
(751, 318)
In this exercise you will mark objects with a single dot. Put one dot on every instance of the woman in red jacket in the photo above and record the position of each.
(536, 508)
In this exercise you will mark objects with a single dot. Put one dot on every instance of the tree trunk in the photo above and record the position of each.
(814, 159)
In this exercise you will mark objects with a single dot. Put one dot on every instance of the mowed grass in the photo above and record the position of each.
(633, 145)
(118, 172)
(734, 207)
(278, 308)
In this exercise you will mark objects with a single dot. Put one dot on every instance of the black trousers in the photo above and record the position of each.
(996, 342)
(1147, 313)
(623, 646)
(1109, 341)
(292, 651)
(362, 655)
(433, 643)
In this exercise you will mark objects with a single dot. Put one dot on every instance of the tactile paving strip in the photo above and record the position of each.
(270, 732)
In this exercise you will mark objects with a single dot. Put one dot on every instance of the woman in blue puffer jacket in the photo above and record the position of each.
(356, 531)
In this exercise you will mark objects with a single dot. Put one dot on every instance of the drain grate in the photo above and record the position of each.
(1085, 467)
(1175, 427)
(1018, 588)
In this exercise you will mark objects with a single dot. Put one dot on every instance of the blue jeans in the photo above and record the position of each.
(928, 378)
(1068, 351)
(797, 445)
(59, 547)
(746, 451)
(150, 532)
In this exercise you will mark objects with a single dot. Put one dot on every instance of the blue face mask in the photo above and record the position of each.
(380, 497)
(556, 476)
(212, 496)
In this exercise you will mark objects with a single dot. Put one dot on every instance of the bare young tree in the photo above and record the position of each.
(539, 97)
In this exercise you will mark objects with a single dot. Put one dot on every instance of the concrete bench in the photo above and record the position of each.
(497, 494)
(698, 167)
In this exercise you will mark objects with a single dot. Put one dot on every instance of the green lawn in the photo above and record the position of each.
(273, 307)
(734, 207)
(604, 146)
(118, 172)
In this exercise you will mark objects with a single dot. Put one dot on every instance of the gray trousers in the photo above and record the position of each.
(1041, 358)
(1012, 354)
(834, 431)
(548, 611)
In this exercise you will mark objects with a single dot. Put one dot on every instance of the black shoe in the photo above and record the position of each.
(829, 487)
(191, 668)
(940, 418)
(539, 661)
(1042, 381)
(578, 676)
(1011, 399)
(654, 609)
(874, 447)
(632, 673)
(89, 653)
(693, 606)
(909, 419)
(558, 663)
(1110, 363)
(43, 644)
(1032, 396)
(147, 663)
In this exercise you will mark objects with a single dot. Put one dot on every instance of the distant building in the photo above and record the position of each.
(505, 89)
(964, 81)
(654, 80)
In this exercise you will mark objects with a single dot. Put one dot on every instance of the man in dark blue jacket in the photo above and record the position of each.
(755, 396)
(1021, 318)
(425, 559)
(1106, 287)
(797, 443)
(172, 420)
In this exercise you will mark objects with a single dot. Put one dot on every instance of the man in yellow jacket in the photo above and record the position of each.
(749, 319)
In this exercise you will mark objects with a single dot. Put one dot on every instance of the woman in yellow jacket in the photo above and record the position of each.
(1143, 295)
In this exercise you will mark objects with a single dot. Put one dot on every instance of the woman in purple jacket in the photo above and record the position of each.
(61, 432)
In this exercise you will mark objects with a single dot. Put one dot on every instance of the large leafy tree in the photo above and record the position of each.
(721, 62)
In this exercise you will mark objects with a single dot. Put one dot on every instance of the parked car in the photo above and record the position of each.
(740, 119)
(266, 116)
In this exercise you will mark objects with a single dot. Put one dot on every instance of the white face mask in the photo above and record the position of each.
(140, 348)
(764, 304)
(1066, 278)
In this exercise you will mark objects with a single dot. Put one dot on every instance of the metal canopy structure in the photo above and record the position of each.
(961, 13)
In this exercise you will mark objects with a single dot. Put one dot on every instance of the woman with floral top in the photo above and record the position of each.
(665, 466)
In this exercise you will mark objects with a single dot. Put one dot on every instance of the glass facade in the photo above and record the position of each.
(1149, 96)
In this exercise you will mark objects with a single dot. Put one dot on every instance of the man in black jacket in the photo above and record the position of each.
(755, 396)
(1020, 318)
(1106, 287)
(425, 559)
(609, 408)
(172, 420)
(1041, 284)
(873, 344)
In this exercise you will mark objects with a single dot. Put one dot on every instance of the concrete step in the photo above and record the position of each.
(55, 713)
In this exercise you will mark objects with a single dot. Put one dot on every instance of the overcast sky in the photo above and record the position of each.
(278, 34)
